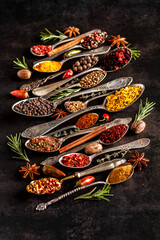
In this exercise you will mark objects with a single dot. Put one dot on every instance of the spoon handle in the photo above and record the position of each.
(98, 51)
(101, 167)
(112, 85)
(140, 143)
(43, 91)
(43, 128)
(43, 206)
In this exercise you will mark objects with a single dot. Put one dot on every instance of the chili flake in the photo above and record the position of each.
(75, 160)
(113, 134)
(43, 186)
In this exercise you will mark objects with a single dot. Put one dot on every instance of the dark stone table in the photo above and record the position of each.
(133, 212)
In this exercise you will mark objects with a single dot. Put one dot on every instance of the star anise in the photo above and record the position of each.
(71, 31)
(59, 113)
(118, 40)
(138, 159)
(30, 170)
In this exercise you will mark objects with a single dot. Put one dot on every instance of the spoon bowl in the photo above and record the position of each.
(61, 159)
(124, 64)
(96, 52)
(100, 141)
(108, 181)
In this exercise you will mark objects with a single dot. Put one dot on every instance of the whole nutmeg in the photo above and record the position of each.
(138, 126)
(93, 148)
(24, 74)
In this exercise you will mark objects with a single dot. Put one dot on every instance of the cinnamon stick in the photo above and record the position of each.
(83, 139)
(66, 46)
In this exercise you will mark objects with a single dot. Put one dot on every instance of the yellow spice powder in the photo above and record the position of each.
(122, 98)
(49, 66)
(120, 174)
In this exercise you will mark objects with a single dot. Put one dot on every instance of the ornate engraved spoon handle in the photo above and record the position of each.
(43, 206)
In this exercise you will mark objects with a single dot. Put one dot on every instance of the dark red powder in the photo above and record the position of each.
(113, 134)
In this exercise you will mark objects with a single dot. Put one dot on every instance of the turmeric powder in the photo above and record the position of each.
(48, 66)
(120, 173)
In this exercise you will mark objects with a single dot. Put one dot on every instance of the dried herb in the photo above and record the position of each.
(108, 157)
(85, 97)
(47, 36)
(15, 144)
(135, 52)
(20, 65)
(65, 93)
(101, 194)
(30, 170)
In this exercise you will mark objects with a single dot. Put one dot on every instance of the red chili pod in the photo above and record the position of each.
(68, 74)
(20, 94)
(52, 171)
(85, 181)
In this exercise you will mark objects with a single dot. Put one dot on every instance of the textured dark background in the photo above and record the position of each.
(133, 212)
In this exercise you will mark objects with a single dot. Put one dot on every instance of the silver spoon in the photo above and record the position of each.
(111, 165)
(115, 84)
(91, 157)
(84, 131)
(98, 51)
(59, 140)
(103, 106)
(140, 143)
(42, 91)
(66, 40)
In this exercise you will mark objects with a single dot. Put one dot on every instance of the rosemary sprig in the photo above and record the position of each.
(135, 52)
(143, 112)
(101, 194)
(108, 157)
(47, 36)
(20, 65)
(65, 93)
(15, 144)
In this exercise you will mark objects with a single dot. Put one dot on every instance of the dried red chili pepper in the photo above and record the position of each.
(76, 160)
(52, 171)
(85, 181)
(68, 74)
(113, 134)
(20, 94)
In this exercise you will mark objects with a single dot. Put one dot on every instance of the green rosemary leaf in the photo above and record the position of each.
(20, 65)
(14, 142)
(48, 35)
(145, 110)
(101, 194)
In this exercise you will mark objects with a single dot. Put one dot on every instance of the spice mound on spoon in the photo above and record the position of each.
(120, 174)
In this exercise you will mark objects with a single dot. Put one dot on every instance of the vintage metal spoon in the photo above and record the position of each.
(103, 106)
(140, 143)
(63, 139)
(41, 91)
(98, 51)
(115, 84)
(112, 164)
(59, 140)
(67, 40)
